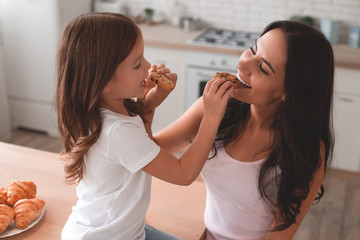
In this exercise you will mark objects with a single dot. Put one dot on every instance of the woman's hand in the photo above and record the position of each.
(215, 97)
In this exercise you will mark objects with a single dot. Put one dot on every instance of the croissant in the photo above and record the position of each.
(26, 211)
(3, 195)
(6, 216)
(17, 190)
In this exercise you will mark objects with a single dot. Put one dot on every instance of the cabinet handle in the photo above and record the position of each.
(204, 75)
(345, 99)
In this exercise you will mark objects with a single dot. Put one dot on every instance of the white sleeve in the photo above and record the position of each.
(131, 146)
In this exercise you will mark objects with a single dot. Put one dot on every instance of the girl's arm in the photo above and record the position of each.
(154, 96)
(184, 171)
(288, 234)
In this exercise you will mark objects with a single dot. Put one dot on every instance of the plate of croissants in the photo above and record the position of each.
(20, 209)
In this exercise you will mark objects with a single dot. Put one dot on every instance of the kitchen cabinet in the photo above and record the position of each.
(346, 119)
(174, 104)
(30, 36)
(5, 130)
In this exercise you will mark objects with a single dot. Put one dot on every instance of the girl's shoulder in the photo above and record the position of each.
(114, 121)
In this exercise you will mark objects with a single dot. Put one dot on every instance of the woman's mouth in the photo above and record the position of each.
(243, 82)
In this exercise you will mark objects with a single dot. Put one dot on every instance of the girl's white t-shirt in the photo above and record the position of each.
(234, 209)
(114, 194)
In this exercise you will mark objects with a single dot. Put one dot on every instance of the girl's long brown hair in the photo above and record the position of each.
(90, 49)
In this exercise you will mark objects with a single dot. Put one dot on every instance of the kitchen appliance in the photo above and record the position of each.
(225, 38)
(188, 24)
(202, 66)
(31, 29)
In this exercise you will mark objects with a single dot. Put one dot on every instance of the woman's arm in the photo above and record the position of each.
(181, 132)
(288, 234)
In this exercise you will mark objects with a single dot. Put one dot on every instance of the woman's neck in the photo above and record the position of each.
(262, 117)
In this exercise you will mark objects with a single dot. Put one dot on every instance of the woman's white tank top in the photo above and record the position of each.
(234, 209)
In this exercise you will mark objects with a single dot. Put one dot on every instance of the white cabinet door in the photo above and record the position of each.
(5, 130)
(347, 132)
(30, 41)
(174, 105)
(346, 119)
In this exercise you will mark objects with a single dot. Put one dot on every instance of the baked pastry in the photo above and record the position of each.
(6, 216)
(3, 195)
(26, 211)
(235, 82)
(17, 190)
(162, 81)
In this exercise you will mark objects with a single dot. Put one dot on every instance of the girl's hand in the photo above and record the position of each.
(215, 97)
(155, 95)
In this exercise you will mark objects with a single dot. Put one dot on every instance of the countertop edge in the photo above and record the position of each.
(167, 36)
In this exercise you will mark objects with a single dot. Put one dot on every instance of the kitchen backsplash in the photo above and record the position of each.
(252, 15)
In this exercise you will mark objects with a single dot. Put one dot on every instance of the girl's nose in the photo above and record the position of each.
(147, 64)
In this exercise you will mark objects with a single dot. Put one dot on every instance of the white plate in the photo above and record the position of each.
(13, 230)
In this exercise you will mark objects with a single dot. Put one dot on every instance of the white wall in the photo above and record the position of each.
(253, 15)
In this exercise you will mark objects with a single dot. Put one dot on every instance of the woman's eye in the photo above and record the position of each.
(252, 50)
(263, 70)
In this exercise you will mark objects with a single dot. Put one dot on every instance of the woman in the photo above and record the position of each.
(275, 141)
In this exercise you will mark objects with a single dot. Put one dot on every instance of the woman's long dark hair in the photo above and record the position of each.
(91, 48)
(303, 121)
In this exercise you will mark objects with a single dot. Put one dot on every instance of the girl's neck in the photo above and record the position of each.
(118, 108)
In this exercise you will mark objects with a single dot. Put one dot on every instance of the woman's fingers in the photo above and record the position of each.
(217, 86)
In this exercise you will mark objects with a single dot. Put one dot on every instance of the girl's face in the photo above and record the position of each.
(128, 80)
(262, 67)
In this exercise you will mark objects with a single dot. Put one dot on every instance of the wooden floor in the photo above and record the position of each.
(335, 217)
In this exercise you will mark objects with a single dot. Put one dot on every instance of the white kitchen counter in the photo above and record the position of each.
(172, 37)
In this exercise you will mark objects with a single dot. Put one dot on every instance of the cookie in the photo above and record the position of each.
(162, 81)
(232, 78)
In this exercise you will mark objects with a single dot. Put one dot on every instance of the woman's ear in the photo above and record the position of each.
(283, 97)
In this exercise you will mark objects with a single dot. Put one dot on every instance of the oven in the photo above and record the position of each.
(202, 66)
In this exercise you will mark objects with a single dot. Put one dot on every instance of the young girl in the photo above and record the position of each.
(109, 155)
(275, 140)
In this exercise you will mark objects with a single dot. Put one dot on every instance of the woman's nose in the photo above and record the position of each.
(247, 62)
(243, 66)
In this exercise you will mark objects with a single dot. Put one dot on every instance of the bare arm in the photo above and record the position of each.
(154, 96)
(182, 132)
(289, 233)
(184, 171)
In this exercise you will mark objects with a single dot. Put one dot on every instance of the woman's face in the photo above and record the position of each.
(262, 67)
